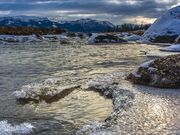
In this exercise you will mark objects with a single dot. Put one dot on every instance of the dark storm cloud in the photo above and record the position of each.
(112, 9)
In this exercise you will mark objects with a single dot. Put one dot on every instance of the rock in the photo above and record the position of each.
(106, 38)
(165, 39)
(162, 73)
(133, 37)
(71, 34)
(49, 91)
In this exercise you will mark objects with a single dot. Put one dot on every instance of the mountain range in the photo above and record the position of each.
(82, 25)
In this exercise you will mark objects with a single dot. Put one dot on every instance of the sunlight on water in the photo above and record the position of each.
(79, 107)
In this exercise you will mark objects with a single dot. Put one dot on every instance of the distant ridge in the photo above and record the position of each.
(82, 25)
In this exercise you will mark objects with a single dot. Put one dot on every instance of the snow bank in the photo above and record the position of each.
(13, 38)
(172, 48)
(8, 129)
(36, 38)
(167, 25)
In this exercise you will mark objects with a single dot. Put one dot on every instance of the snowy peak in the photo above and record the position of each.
(27, 21)
(86, 25)
(88, 20)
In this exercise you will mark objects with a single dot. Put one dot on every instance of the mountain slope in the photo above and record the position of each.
(167, 27)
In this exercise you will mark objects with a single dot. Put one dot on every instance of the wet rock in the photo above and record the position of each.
(64, 42)
(162, 72)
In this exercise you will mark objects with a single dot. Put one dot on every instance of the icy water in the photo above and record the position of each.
(154, 111)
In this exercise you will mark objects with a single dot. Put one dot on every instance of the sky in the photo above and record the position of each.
(115, 11)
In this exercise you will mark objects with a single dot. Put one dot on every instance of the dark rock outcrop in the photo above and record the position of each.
(106, 38)
(165, 39)
(162, 73)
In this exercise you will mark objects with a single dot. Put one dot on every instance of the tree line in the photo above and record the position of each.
(130, 27)
(29, 31)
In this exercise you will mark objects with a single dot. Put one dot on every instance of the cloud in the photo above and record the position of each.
(118, 11)
(5, 12)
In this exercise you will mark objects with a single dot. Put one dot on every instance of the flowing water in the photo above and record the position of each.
(77, 64)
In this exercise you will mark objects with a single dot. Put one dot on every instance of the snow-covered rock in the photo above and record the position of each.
(22, 39)
(50, 90)
(105, 38)
(166, 28)
(133, 37)
(172, 48)
(62, 38)
(8, 129)
(162, 72)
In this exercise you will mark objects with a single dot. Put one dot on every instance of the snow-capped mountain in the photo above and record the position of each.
(167, 25)
(83, 25)
(86, 25)
(27, 21)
